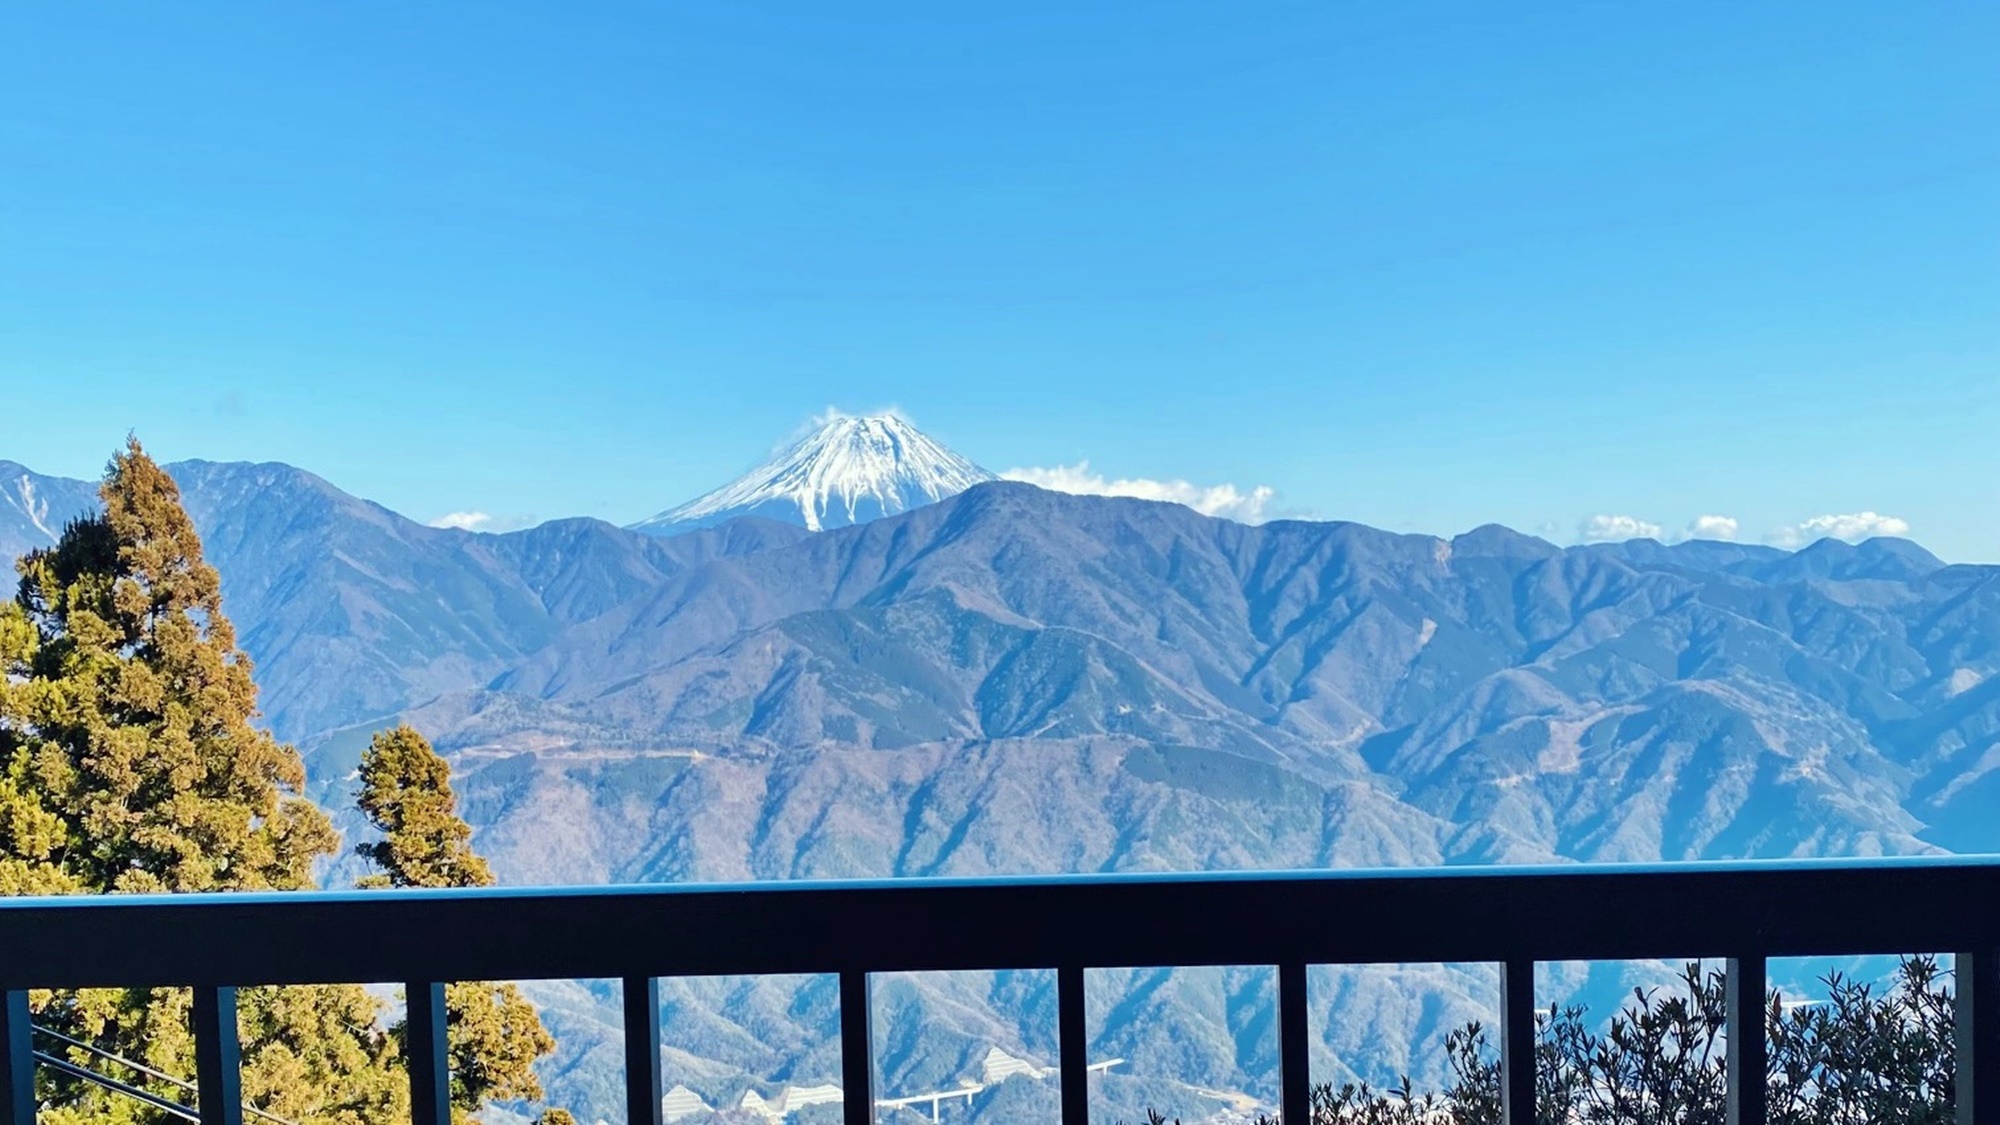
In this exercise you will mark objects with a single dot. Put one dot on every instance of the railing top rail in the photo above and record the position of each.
(1581, 871)
(1450, 914)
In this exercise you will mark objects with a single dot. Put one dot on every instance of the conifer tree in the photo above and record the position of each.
(33, 837)
(493, 1031)
(133, 714)
(129, 762)
(406, 793)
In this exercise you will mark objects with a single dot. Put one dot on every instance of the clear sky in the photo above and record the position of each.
(1425, 265)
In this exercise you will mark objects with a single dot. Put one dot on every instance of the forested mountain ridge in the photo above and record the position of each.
(1016, 680)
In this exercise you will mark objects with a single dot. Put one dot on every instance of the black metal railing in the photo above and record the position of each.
(1744, 912)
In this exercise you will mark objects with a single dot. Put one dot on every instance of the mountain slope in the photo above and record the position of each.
(33, 509)
(352, 611)
(1478, 676)
(1013, 680)
(847, 471)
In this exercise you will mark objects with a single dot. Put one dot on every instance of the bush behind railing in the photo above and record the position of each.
(1863, 1056)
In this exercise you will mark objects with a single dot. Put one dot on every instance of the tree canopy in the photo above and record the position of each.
(492, 1030)
(406, 794)
(130, 761)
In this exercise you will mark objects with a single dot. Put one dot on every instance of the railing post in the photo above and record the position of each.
(1976, 1021)
(1294, 1043)
(427, 1053)
(17, 1060)
(643, 1091)
(1072, 1049)
(1744, 1064)
(857, 1050)
(1517, 1042)
(218, 1052)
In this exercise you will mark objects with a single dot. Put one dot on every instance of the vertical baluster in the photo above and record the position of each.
(1743, 1009)
(643, 1091)
(218, 1076)
(1517, 1042)
(1976, 1019)
(857, 1050)
(17, 1060)
(1073, 1050)
(1294, 1039)
(426, 1052)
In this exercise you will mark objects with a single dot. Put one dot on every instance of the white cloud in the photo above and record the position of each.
(1611, 529)
(1850, 528)
(1712, 527)
(480, 521)
(464, 521)
(1223, 500)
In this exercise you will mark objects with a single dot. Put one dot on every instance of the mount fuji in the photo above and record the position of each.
(849, 470)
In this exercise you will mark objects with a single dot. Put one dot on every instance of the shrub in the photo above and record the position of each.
(1863, 1056)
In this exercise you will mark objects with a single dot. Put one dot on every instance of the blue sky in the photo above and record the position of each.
(1423, 265)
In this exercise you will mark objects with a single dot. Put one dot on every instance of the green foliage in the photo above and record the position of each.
(1883, 1057)
(318, 1053)
(129, 762)
(1862, 1057)
(493, 1032)
(149, 1026)
(406, 794)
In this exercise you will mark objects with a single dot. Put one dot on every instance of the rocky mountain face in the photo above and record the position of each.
(33, 509)
(1011, 680)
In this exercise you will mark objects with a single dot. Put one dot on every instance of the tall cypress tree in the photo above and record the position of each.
(493, 1031)
(129, 762)
(133, 713)
(406, 794)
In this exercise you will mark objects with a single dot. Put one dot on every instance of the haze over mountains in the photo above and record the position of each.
(1015, 680)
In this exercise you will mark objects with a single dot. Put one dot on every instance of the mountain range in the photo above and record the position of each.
(1012, 680)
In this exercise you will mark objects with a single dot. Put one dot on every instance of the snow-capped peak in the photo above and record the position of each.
(848, 470)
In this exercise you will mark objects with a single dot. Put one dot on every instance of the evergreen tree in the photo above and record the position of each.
(494, 1033)
(33, 838)
(129, 762)
(406, 793)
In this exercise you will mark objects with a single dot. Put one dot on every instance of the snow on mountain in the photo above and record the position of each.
(33, 510)
(849, 470)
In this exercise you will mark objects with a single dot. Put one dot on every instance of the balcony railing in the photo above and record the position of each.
(1744, 912)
